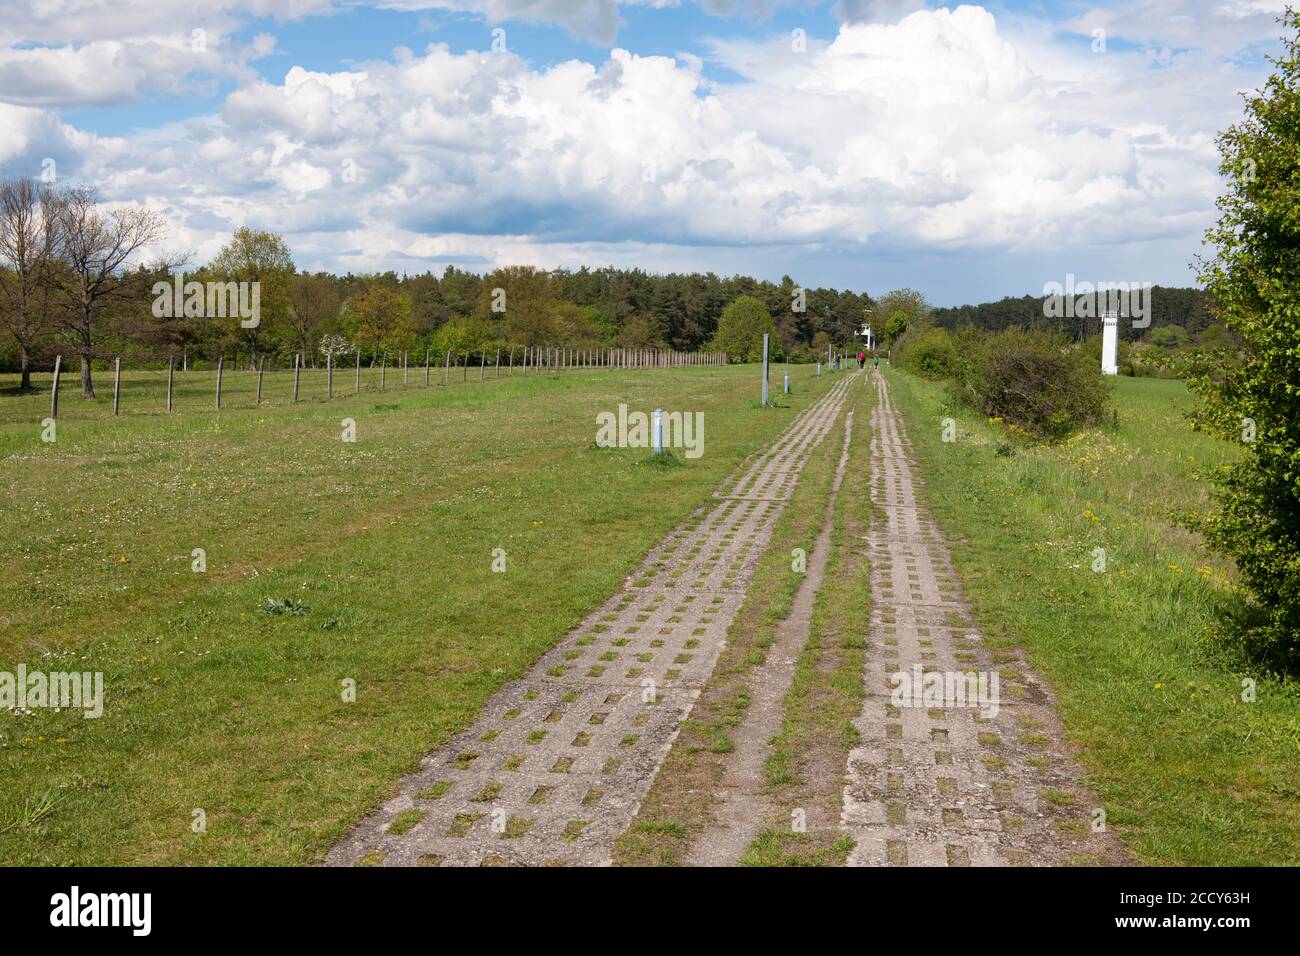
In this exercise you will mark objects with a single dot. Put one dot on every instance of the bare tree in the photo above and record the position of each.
(29, 246)
(95, 248)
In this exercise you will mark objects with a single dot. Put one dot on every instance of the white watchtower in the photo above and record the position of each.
(1110, 343)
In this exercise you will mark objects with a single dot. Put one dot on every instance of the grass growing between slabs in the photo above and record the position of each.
(805, 767)
(1190, 772)
(226, 736)
(678, 805)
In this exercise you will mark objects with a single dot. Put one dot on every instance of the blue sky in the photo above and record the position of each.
(967, 151)
(357, 34)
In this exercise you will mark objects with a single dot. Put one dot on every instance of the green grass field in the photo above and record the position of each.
(214, 704)
(1190, 772)
(378, 558)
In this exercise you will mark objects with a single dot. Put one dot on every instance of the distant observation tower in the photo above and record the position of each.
(1110, 343)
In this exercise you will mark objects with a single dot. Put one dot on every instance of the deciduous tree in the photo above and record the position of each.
(741, 329)
(1254, 279)
(29, 247)
(95, 246)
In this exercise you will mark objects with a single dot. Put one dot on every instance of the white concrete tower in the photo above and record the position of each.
(1110, 344)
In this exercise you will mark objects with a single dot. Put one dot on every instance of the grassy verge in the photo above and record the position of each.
(377, 558)
(805, 768)
(1073, 552)
(681, 798)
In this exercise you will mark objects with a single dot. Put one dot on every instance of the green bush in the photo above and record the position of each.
(929, 353)
(1035, 382)
(1168, 336)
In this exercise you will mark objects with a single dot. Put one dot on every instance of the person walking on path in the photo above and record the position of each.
(862, 359)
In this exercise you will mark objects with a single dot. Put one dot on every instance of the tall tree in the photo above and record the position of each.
(898, 311)
(639, 332)
(313, 308)
(1254, 280)
(741, 329)
(255, 255)
(96, 246)
(521, 297)
(29, 246)
(381, 319)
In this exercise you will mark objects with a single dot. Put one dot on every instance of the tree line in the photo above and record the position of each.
(72, 282)
(1185, 308)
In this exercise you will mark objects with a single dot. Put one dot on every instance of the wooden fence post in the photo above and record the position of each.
(117, 381)
(54, 387)
(297, 373)
(482, 364)
(426, 366)
(221, 361)
(383, 371)
(329, 374)
(358, 388)
(171, 361)
(446, 368)
(261, 368)
(498, 363)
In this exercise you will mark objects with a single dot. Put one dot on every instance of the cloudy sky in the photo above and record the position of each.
(968, 151)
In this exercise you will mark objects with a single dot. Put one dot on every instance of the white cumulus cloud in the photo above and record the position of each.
(941, 131)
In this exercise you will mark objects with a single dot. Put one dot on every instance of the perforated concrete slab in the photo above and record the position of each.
(556, 766)
(954, 784)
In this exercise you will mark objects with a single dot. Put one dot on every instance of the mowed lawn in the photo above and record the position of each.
(384, 546)
(1189, 771)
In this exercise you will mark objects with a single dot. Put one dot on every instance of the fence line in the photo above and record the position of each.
(533, 360)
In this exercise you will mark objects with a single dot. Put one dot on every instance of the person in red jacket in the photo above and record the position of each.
(862, 359)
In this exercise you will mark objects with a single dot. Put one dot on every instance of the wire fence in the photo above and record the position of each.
(244, 381)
